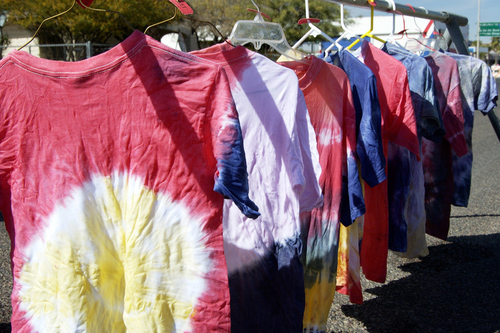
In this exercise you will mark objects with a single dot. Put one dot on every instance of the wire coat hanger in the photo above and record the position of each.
(45, 20)
(165, 21)
(81, 3)
(84, 5)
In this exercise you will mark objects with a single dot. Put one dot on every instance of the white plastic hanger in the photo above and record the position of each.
(313, 30)
(389, 38)
(346, 33)
(258, 32)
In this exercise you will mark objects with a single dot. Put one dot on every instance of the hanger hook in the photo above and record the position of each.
(107, 11)
(393, 3)
(165, 21)
(255, 5)
(47, 19)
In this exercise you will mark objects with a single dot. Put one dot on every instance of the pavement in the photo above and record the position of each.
(456, 288)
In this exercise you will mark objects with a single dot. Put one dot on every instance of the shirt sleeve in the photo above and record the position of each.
(433, 130)
(231, 177)
(369, 137)
(453, 116)
(485, 88)
(311, 194)
(401, 124)
(356, 202)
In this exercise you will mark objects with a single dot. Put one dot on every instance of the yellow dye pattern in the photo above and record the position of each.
(343, 258)
(114, 257)
(319, 301)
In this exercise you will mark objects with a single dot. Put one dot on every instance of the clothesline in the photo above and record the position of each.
(453, 33)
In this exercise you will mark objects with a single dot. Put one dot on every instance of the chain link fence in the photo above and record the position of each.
(66, 52)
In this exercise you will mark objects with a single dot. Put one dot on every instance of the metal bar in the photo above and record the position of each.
(456, 35)
(385, 6)
(494, 122)
(89, 49)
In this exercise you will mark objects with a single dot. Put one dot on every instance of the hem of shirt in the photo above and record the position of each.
(355, 213)
(379, 177)
(458, 144)
(410, 145)
(491, 106)
(243, 205)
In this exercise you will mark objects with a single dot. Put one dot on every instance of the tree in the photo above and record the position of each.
(495, 46)
(82, 25)
(4, 41)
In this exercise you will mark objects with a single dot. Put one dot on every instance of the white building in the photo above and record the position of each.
(19, 36)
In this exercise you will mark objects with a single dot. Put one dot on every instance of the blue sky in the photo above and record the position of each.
(490, 11)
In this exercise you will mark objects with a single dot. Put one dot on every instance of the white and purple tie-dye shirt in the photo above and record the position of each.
(107, 174)
(263, 256)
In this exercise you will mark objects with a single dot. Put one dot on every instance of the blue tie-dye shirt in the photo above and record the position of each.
(368, 124)
(479, 92)
(406, 207)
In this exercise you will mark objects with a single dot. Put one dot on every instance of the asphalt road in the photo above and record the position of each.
(454, 289)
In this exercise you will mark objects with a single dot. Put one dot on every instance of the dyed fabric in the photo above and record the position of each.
(368, 116)
(406, 185)
(266, 276)
(398, 126)
(107, 174)
(371, 161)
(437, 158)
(479, 92)
(329, 101)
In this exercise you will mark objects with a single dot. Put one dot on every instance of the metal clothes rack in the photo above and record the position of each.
(452, 33)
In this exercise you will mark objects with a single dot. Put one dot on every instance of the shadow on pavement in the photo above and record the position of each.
(456, 288)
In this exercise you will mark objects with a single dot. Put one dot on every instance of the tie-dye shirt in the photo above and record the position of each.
(398, 126)
(436, 157)
(406, 177)
(479, 90)
(266, 276)
(371, 161)
(329, 101)
(107, 174)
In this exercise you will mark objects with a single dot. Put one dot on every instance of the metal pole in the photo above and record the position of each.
(456, 35)
(89, 49)
(384, 6)
(478, 28)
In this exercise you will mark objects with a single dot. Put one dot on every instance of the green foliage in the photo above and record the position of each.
(495, 44)
(80, 25)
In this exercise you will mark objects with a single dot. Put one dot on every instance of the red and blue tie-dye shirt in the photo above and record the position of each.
(398, 126)
(107, 174)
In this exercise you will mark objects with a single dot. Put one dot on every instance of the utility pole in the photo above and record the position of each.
(478, 26)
